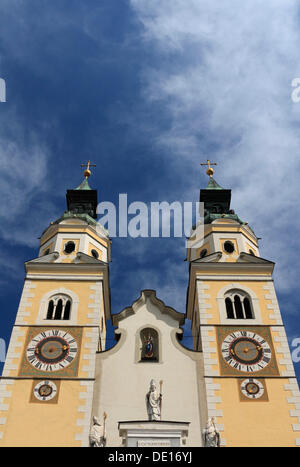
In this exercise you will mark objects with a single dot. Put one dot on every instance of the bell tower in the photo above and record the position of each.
(48, 379)
(251, 388)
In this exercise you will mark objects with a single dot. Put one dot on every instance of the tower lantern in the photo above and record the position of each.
(237, 325)
(49, 373)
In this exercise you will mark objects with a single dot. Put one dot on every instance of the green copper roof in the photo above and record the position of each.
(84, 185)
(213, 185)
(210, 217)
(70, 215)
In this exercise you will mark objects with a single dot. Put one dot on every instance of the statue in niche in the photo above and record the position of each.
(149, 340)
(154, 401)
(149, 347)
(211, 434)
(97, 436)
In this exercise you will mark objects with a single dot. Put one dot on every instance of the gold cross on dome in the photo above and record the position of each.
(210, 170)
(87, 171)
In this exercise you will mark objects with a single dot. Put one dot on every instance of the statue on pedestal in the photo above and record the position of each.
(154, 401)
(97, 435)
(211, 435)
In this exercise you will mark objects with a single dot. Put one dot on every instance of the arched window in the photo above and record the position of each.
(59, 307)
(238, 305)
(69, 247)
(247, 308)
(229, 247)
(229, 308)
(150, 347)
(95, 253)
(67, 311)
(50, 309)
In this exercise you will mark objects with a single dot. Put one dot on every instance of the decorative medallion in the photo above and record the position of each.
(45, 391)
(253, 389)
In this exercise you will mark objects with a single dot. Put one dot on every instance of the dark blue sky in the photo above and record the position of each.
(147, 91)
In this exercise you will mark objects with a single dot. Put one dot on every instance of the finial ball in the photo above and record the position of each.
(210, 170)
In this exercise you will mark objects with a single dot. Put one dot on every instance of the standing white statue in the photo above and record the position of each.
(154, 401)
(211, 434)
(97, 435)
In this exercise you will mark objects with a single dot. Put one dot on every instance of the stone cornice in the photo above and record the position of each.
(252, 268)
(212, 258)
(89, 266)
(258, 265)
(91, 270)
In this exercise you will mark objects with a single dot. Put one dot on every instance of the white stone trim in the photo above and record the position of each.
(209, 353)
(85, 408)
(25, 302)
(89, 350)
(284, 350)
(196, 245)
(212, 408)
(13, 351)
(222, 307)
(42, 313)
(202, 297)
(98, 245)
(96, 309)
(292, 387)
(46, 245)
(274, 306)
(4, 394)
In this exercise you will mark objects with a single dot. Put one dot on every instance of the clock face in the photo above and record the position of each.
(246, 351)
(252, 388)
(45, 390)
(51, 350)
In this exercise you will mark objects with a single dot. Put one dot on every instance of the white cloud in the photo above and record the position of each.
(223, 74)
(23, 181)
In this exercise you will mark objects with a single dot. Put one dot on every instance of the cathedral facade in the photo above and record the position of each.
(61, 386)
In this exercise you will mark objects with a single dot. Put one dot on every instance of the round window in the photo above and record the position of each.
(229, 247)
(69, 247)
(203, 253)
(95, 254)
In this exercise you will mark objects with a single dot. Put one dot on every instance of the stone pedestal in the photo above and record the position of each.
(153, 433)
